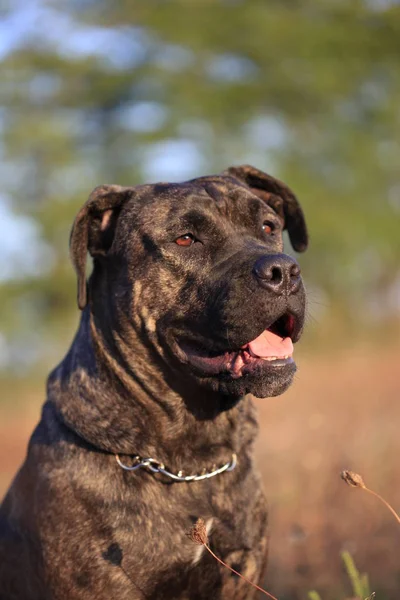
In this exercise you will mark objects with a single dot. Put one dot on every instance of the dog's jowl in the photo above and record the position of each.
(192, 306)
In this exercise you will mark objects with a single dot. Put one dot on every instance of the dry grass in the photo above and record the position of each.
(355, 480)
(342, 413)
(198, 535)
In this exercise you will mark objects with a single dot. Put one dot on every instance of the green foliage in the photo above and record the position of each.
(359, 581)
(308, 91)
(313, 595)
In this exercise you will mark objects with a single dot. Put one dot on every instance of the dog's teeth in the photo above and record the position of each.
(272, 358)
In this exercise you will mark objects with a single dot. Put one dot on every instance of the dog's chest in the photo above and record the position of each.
(156, 550)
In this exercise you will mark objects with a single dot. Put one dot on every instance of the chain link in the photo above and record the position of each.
(154, 466)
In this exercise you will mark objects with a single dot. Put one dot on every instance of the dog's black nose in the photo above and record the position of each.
(278, 273)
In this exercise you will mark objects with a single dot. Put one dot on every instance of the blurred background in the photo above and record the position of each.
(115, 91)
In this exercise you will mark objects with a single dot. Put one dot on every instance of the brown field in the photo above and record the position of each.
(342, 412)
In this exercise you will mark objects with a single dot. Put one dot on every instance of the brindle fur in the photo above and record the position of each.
(74, 525)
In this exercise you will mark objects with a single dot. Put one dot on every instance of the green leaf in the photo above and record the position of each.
(359, 581)
(313, 595)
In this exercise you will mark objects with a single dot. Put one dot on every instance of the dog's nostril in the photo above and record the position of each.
(272, 273)
(295, 271)
(276, 275)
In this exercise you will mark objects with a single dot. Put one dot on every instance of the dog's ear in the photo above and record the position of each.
(271, 190)
(93, 230)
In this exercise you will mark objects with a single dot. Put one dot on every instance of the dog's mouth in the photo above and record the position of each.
(272, 348)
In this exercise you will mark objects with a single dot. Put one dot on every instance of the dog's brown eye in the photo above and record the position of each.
(268, 227)
(185, 240)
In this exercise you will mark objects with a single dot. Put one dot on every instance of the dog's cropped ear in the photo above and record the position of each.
(94, 228)
(268, 188)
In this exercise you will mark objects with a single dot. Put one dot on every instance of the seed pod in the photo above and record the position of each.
(198, 533)
(353, 479)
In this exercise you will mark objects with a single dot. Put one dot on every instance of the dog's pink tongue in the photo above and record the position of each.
(269, 344)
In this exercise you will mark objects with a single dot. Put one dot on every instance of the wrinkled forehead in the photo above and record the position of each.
(214, 196)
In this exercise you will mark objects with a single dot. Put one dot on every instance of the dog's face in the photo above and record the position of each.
(197, 270)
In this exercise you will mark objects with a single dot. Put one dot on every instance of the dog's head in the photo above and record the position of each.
(197, 269)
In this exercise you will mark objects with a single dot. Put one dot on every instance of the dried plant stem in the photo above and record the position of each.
(355, 480)
(260, 589)
(198, 534)
(394, 513)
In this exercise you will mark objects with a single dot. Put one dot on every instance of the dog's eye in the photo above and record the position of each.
(268, 227)
(185, 240)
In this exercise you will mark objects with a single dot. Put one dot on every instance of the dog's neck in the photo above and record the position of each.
(116, 403)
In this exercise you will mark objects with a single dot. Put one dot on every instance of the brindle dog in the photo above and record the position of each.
(191, 306)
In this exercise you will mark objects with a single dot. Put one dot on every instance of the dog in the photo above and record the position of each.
(191, 307)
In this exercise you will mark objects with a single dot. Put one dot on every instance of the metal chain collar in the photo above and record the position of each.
(154, 466)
